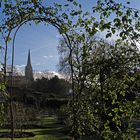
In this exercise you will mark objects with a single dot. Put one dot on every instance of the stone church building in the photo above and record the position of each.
(27, 79)
(28, 69)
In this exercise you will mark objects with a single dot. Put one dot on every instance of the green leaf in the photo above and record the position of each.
(70, 0)
(65, 16)
(66, 5)
(110, 114)
(119, 13)
(75, 3)
(107, 25)
(115, 110)
(113, 30)
(108, 35)
(136, 14)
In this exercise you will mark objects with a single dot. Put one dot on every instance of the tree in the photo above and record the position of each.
(122, 21)
(124, 24)
(113, 69)
(58, 87)
(105, 93)
(40, 85)
(63, 51)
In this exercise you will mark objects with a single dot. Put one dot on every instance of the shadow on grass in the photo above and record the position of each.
(55, 129)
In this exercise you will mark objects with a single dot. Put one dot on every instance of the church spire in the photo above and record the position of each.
(29, 59)
(28, 69)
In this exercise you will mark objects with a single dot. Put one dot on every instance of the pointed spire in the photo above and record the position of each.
(28, 68)
(29, 59)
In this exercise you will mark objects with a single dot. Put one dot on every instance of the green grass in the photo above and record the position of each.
(52, 131)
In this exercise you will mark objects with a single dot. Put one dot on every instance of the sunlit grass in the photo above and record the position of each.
(52, 131)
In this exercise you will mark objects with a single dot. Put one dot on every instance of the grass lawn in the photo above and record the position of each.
(52, 131)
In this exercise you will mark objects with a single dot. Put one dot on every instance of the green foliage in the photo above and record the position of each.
(104, 77)
(56, 86)
(2, 87)
(124, 24)
(105, 99)
(2, 100)
(40, 85)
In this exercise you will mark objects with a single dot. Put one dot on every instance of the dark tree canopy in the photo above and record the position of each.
(56, 86)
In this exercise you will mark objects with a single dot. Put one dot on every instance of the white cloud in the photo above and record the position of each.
(20, 66)
(49, 56)
(47, 74)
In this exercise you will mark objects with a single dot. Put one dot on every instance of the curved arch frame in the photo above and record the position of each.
(58, 24)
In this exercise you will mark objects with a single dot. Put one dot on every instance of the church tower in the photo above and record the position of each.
(28, 69)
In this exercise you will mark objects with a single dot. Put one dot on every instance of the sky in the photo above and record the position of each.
(43, 41)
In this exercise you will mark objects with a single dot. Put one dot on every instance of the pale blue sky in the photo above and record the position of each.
(43, 41)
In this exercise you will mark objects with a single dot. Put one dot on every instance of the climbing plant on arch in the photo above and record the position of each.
(19, 13)
(77, 29)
